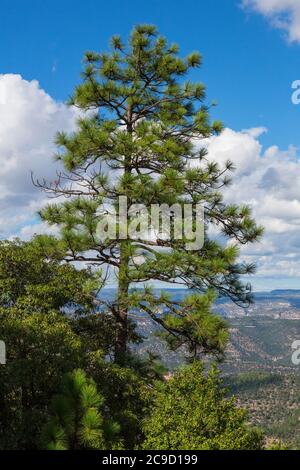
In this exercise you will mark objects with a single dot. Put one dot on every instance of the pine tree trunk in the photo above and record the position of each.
(122, 333)
(123, 287)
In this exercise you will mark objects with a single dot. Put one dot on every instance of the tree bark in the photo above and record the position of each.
(123, 288)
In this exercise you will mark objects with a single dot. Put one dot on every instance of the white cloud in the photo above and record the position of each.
(29, 120)
(269, 181)
(283, 14)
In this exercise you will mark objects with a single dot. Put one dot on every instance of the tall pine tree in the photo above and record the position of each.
(140, 138)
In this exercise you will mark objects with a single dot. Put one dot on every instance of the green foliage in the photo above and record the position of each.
(50, 335)
(253, 381)
(141, 138)
(278, 445)
(98, 331)
(189, 322)
(41, 347)
(78, 417)
(33, 280)
(42, 343)
(45, 341)
(127, 393)
(191, 412)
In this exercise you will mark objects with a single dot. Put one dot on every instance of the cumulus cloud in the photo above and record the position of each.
(269, 181)
(29, 120)
(283, 14)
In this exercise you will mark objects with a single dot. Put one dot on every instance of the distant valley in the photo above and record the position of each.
(261, 335)
(258, 368)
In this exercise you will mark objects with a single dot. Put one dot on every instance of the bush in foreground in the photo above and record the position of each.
(191, 412)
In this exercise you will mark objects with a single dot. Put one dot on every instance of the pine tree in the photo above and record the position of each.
(77, 421)
(140, 137)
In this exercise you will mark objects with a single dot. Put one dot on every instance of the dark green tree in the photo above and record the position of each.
(128, 394)
(77, 422)
(50, 326)
(191, 412)
(42, 343)
(41, 347)
(139, 138)
(30, 280)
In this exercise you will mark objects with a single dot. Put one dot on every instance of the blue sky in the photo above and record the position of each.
(248, 67)
(251, 57)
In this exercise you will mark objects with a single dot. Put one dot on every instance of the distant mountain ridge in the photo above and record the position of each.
(261, 335)
(285, 291)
